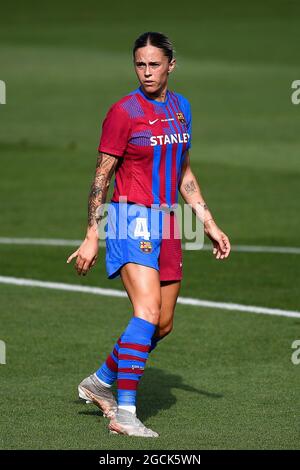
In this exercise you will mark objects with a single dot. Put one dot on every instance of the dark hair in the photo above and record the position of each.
(159, 40)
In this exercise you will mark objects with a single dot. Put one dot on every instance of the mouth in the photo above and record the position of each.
(148, 82)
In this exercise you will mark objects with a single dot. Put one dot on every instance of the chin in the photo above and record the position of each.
(151, 88)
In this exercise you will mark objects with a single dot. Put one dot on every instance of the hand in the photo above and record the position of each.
(220, 241)
(86, 254)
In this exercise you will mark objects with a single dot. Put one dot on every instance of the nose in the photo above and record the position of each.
(147, 71)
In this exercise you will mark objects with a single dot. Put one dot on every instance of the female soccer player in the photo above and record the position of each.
(145, 141)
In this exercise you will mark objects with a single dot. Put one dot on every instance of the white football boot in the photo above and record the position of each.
(125, 422)
(92, 391)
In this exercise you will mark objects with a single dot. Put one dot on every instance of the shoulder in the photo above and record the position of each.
(127, 106)
(182, 102)
(181, 99)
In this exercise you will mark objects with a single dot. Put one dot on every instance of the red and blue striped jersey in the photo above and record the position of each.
(151, 139)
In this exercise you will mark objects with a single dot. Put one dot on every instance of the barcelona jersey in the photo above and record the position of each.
(150, 138)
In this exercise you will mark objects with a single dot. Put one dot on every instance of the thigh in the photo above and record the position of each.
(142, 285)
(169, 294)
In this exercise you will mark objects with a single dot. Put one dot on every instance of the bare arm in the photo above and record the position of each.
(105, 168)
(191, 193)
(87, 253)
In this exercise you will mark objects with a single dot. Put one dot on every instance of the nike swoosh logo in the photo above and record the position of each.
(153, 122)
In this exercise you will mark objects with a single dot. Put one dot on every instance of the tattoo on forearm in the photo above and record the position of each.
(203, 205)
(190, 187)
(105, 167)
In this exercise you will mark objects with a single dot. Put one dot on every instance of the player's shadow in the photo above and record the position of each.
(155, 393)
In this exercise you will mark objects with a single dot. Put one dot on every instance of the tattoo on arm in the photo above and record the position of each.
(203, 205)
(105, 167)
(190, 187)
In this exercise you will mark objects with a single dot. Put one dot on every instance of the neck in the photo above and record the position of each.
(159, 95)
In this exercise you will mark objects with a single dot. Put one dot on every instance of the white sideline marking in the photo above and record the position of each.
(206, 247)
(40, 241)
(117, 293)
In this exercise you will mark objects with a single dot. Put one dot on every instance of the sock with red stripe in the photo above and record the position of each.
(108, 372)
(132, 356)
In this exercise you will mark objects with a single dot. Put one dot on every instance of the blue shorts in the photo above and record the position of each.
(142, 235)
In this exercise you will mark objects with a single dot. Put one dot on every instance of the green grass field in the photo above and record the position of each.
(223, 379)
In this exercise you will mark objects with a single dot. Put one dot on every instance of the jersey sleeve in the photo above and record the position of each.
(115, 132)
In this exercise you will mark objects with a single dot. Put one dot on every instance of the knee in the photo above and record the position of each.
(150, 313)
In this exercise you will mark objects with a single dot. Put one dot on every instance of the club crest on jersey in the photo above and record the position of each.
(181, 118)
(146, 246)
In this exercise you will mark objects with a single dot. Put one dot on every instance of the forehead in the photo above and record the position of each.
(149, 54)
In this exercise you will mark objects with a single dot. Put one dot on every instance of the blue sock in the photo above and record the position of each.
(133, 354)
(109, 370)
(154, 342)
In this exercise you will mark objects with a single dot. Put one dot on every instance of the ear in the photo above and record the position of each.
(171, 65)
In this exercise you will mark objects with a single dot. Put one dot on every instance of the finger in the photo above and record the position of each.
(79, 264)
(227, 250)
(93, 262)
(72, 256)
(83, 266)
(218, 254)
(222, 244)
(222, 254)
(227, 247)
(215, 247)
(86, 268)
